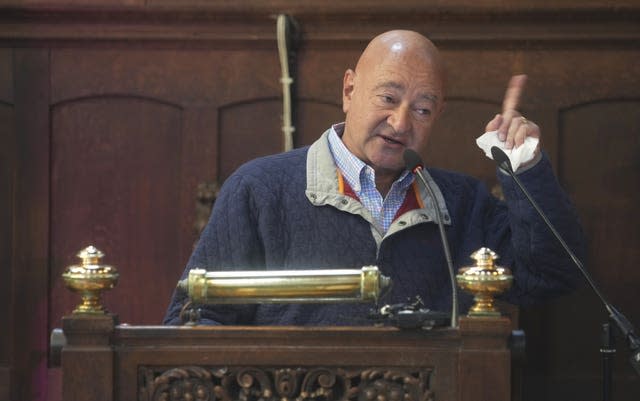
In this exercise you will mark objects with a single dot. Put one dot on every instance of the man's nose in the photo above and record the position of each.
(400, 119)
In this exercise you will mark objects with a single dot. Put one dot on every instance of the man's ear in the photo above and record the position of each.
(347, 89)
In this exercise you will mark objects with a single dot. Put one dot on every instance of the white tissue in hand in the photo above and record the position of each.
(517, 156)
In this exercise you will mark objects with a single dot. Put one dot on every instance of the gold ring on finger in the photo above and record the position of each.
(524, 121)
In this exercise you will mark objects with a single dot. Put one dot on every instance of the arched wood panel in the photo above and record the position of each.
(163, 113)
(315, 117)
(601, 164)
(114, 162)
(248, 130)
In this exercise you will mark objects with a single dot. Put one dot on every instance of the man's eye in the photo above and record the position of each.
(387, 99)
(424, 112)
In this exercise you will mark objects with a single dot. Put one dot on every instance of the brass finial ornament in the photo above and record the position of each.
(484, 280)
(90, 279)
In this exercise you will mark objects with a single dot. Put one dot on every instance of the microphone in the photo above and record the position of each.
(620, 320)
(413, 162)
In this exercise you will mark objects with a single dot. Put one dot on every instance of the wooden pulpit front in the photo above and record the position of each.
(103, 361)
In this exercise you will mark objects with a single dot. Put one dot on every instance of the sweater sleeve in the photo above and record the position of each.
(229, 241)
(541, 267)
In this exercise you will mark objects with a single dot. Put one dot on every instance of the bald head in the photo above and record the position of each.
(402, 47)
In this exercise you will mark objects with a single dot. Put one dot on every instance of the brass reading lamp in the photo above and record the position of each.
(285, 286)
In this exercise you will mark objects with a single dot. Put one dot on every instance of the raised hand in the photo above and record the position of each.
(512, 126)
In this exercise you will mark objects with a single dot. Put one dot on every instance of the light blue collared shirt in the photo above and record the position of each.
(362, 179)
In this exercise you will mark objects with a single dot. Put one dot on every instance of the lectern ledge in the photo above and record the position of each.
(105, 361)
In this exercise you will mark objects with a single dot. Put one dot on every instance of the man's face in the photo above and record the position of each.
(390, 106)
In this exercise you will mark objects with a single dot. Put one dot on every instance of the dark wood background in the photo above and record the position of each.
(112, 112)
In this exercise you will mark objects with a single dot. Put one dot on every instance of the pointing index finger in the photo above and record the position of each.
(513, 94)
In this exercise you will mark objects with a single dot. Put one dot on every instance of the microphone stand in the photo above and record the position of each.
(414, 164)
(615, 317)
(445, 246)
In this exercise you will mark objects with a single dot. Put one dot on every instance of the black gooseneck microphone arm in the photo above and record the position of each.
(413, 162)
(623, 324)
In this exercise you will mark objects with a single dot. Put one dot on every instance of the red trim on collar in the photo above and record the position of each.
(411, 201)
(344, 188)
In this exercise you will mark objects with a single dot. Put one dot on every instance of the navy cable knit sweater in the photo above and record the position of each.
(264, 218)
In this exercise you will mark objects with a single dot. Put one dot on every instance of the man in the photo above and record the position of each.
(347, 201)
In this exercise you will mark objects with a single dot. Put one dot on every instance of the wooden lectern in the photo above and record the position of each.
(104, 361)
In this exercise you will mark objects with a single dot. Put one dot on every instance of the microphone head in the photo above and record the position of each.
(501, 158)
(412, 160)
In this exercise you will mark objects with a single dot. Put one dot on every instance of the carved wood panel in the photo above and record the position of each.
(283, 384)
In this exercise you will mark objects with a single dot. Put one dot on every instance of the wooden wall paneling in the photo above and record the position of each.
(358, 5)
(609, 151)
(250, 117)
(319, 86)
(596, 119)
(452, 144)
(331, 5)
(561, 333)
(31, 233)
(315, 117)
(476, 83)
(601, 161)
(199, 165)
(144, 159)
(115, 164)
(7, 183)
(196, 76)
(248, 130)
(461, 22)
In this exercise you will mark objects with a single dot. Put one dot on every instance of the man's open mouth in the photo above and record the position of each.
(391, 141)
